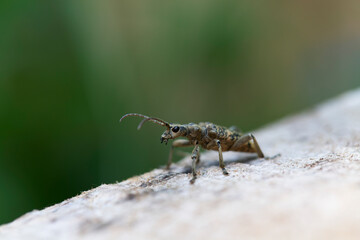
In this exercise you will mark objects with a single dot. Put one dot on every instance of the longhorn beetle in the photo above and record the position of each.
(206, 135)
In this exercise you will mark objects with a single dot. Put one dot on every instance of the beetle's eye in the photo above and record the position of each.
(175, 129)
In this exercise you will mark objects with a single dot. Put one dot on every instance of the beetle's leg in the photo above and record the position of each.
(257, 147)
(221, 159)
(198, 158)
(244, 144)
(177, 143)
(194, 156)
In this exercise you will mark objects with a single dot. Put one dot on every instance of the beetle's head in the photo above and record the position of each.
(172, 130)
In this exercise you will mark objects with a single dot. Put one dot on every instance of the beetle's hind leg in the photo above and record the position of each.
(244, 144)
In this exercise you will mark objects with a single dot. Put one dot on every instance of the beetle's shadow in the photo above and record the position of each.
(185, 168)
(210, 163)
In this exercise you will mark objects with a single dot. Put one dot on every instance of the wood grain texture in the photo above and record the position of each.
(311, 192)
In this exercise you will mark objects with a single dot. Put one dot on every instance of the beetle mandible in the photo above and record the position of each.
(206, 135)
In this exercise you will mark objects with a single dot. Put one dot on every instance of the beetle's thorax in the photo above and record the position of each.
(194, 132)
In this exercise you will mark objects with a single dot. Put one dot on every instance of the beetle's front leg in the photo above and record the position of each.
(176, 143)
(221, 159)
(194, 156)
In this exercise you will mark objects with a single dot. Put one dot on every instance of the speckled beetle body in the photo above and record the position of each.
(206, 135)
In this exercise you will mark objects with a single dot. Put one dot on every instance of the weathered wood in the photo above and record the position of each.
(311, 192)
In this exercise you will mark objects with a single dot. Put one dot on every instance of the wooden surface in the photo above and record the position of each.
(311, 192)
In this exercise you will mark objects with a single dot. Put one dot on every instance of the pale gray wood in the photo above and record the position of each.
(311, 192)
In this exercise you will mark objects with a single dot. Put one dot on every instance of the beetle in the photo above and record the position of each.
(205, 135)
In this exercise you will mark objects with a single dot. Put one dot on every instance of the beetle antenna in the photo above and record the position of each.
(146, 118)
(155, 120)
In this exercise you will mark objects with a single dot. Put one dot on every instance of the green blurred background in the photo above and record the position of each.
(70, 69)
